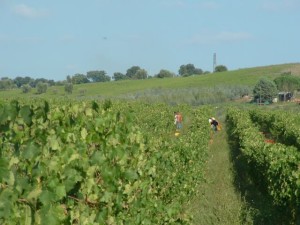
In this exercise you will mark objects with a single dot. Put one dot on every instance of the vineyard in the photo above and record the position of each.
(98, 162)
(274, 166)
(73, 162)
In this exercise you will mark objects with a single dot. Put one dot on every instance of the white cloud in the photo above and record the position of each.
(279, 5)
(206, 38)
(28, 12)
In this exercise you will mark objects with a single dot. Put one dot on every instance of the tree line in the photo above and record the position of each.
(133, 73)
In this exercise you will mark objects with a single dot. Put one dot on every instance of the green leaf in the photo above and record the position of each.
(72, 177)
(28, 216)
(89, 112)
(13, 161)
(7, 199)
(46, 107)
(34, 194)
(53, 142)
(11, 179)
(98, 158)
(4, 172)
(3, 114)
(53, 164)
(31, 151)
(128, 189)
(75, 108)
(52, 215)
(46, 197)
(73, 157)
(106, 197)
(60, 191)
(26, 113)
(22, 184)
(95, 106)
(131, 175)
(13, 110)
(4, 127)
(84, 133)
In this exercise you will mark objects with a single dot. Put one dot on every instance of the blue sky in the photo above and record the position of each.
(53, 39)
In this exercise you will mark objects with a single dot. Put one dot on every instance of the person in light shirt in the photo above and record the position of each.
(213, 123)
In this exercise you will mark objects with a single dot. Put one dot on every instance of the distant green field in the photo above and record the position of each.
(200, 86)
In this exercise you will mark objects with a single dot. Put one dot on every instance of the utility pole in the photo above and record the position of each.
(214, 62)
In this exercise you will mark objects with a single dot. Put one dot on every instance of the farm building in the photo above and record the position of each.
(285, 96)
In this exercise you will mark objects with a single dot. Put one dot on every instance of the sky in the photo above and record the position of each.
(54, 39)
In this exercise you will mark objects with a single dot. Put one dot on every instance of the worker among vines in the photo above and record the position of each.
(213, 123)
(178, 120)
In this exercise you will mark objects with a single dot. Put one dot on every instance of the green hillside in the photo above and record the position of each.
(192, 88)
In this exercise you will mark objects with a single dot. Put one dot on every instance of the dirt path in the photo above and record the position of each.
(218, 202)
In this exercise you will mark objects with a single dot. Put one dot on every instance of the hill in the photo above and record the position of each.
(196, 90)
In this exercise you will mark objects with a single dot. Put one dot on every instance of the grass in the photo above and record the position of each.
(218, 201)
(242, 77)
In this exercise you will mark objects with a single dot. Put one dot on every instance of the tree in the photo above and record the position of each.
(33, 82)
(265, 90)
(98, 76)
(6, 83)
(26, 88)
(69, 88)
(119, 76)
(69, 79)
(41, 87)
(132, 71)
(220, 68)
(19, 81)
(51, 82)
(141, 74)
(198, 71)
(79, 79)
(62, 82)
(188, 70)
(287, 83)
(135, 72)
(164, 73)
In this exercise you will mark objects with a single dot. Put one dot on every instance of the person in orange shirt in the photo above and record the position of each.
(178, 120)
